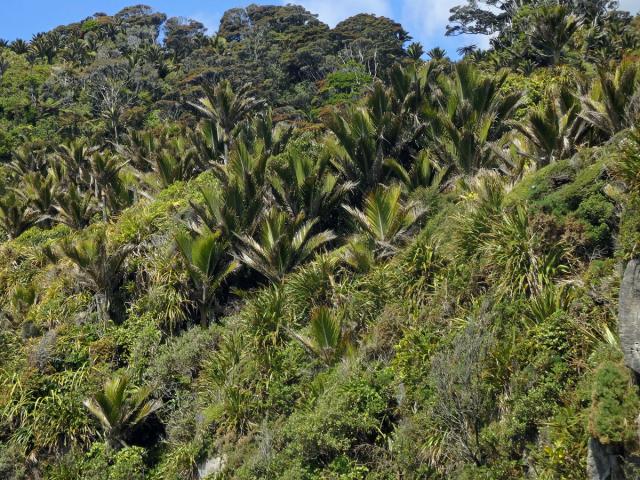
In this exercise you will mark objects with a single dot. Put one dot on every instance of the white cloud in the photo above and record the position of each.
(334, 11)
(430, 17)
(426, 20)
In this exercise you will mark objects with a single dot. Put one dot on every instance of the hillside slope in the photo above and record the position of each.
(385, 268)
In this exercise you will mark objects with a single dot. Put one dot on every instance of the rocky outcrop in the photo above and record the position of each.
(603, 462)
(629, 315)
(212, 466)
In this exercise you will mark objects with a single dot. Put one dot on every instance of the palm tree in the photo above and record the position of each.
(138, 147)
(415, 51)
(106, 184)
(39, 192)
(75, 51)
(27, 158)
(15, 216)
(614, 101)
(232, 208)
(119, 408)
(235, 205)
(209, 264)
(437, 53)
(555, 129)
(327, 340)
(281, 244)
(248, 162)
(274, 138)
(359, 153)
(226, 108)
(99, 266)
(73, 163)
(387, 125)
(75, 208)
(45, 45)
(305, 185)
(553, 28)
(410, 89)
(208, 141)
(19, 46)
(359, 254)
(467, 50)
(471, 114)
(424, 172)
(177, 160)
(385, 219)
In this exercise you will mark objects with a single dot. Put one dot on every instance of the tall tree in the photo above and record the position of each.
(226, 108)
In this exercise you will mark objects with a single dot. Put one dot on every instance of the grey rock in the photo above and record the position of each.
(603, 462)
(629, 315)
(212, 466)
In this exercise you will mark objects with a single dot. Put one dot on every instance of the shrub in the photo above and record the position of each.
(614, 404)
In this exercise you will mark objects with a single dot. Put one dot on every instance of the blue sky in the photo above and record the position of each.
(424, 19)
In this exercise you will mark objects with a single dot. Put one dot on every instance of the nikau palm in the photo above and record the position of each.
(306, 185)
(614, 100)
(209, 264)
(327, 340)
(120, 408)
(226, 108)
(553, 28)
(385, 219)
(281, 244)
(235, 205)
(15, 217)
(424, 172)
(39, 192)
(555, 129)
(471, 114)
(385, 126)
(75, 208)
(99, 267)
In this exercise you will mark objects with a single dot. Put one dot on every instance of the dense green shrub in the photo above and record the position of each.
(614, 404)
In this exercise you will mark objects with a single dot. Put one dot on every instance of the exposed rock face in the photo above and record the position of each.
(602, 462)
(629, 315)
(212, 466)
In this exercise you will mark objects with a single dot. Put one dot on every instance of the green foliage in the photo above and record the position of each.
(208, 264)
(119, 408)
(227, 109)
(305, 184)
(401, 268)
(385, 219)
(101, 463)
(99, 268)
(327, 338)
(614, 404)
(470, 117)
(316, 438)
(281, 244)
(611, 105)
(345, 85)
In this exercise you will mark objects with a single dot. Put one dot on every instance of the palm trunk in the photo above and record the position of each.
(204, 309)
(226, 152)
